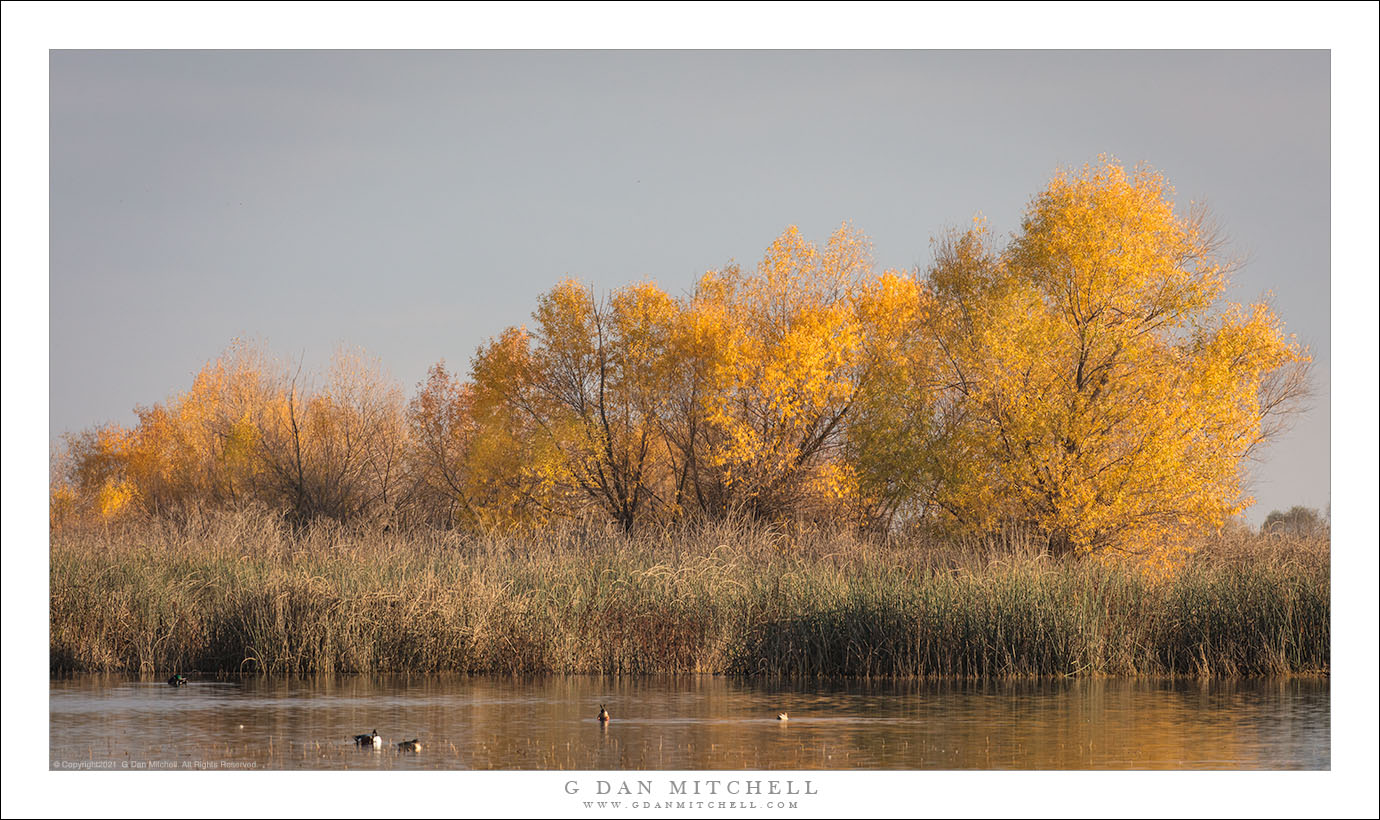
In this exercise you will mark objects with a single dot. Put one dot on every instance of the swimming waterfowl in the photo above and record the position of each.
(410, 746)
(177, 680)
(372, 740)
(603, 714)
(783, 716)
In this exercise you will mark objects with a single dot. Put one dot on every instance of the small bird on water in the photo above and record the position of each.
(177, 680)
(410, 746)
(603, 714)
(372, 740)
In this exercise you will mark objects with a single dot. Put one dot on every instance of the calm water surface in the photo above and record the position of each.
(687, 723)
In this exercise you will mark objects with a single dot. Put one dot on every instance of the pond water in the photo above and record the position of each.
(102, 723)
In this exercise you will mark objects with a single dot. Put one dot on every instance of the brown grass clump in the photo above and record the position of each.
(246, 593)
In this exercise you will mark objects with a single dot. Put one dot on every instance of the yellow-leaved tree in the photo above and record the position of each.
(199, 448)
(777, 353)
(443, 431)
(890, 428)
(194, 450)
(570, 413)
(1088, 381)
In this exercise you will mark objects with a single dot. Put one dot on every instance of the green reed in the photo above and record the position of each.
(245, 593)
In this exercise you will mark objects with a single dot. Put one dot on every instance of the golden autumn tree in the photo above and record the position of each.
(248, 433)
(443, 430)
(505, 476)
(579, 398)
(643, 327)
(1088, 382)
(90, 478)
(891, 427)
(779, 353)
(199, 448)
(196, 449)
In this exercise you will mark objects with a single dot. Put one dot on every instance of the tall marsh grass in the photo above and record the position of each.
(245, 593)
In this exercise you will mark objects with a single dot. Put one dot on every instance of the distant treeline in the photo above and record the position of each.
(247, 592)
(1082, 380)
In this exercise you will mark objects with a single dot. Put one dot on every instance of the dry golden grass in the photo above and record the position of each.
(245, 593)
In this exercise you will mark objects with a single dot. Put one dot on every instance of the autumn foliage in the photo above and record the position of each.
(1082, 380)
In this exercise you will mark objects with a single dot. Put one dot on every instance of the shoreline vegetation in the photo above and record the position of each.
(1083, 377)
(1015, 462)
(249, 592)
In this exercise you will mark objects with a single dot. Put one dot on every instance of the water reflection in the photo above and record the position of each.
(688, 723)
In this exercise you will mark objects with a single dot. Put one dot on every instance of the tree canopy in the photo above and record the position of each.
(1083, 379)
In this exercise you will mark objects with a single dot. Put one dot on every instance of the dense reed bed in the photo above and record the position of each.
(244, 593)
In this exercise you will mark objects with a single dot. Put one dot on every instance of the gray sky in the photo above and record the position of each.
(416, 203)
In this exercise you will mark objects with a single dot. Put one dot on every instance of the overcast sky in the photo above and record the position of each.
(415, 203)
